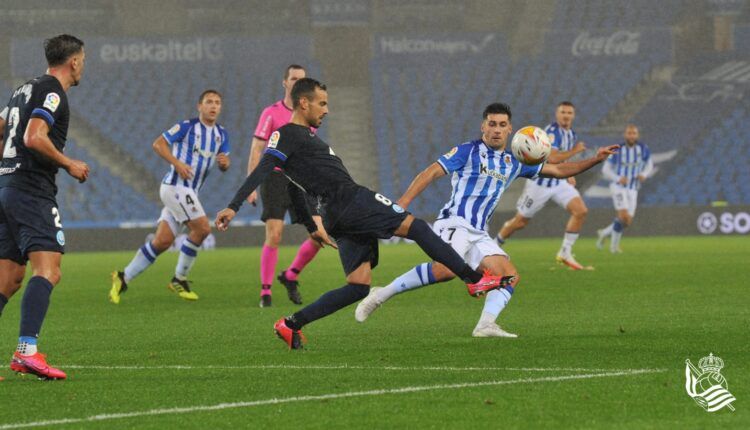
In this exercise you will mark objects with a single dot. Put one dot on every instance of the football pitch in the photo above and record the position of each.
(597, 349)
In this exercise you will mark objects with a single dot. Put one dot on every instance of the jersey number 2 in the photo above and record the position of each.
(10, 151)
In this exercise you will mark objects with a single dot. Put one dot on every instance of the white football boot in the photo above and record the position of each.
(491, 330)
(367, 305)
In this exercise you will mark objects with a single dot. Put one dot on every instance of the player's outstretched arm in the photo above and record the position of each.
(36, 138)
(266, 166)
(556, 156)
(566, 170)
(420, 182)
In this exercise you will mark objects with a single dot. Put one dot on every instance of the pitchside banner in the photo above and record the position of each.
(27, 55)
(438, 45)
(590, 44)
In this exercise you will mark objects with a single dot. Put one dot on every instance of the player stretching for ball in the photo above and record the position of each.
(191, 148)
(276, 201)
(356, 216)
(35, 126)
(481, 171)
(537, 193)
(626, 170)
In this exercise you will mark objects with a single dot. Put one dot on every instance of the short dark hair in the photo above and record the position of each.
(566, 103)
(207, 92)
(291, 67)
(305, 87)
(59, 48)
(497, 108)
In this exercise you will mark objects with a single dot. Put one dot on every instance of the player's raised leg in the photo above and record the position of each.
(143, 258)
(307, 251)
(46, 274)
(199, 229)
(578, 211)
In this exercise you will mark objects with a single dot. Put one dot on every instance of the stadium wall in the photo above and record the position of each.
(656, 221)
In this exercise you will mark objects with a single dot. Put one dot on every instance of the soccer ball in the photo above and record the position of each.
(530, 145)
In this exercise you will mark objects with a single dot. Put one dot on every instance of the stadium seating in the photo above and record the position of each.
(616, 14)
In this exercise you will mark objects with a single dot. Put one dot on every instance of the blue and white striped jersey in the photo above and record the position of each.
(480, 174)
(561, 140)
(630, 162)
(196, 145)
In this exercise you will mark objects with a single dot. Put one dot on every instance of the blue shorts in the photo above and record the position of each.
(28, 223)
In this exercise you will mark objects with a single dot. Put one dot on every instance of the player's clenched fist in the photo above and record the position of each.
(223, 160)
(78, 169)
(224, 218)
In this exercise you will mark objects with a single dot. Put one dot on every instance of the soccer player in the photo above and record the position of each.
(35, 127)
(356, 216)
(481, 170)
(276, 201)
(537, 193)
(626, 170)
(190, 147)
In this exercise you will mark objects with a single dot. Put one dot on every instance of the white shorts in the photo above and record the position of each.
(471, 244)
(181, 205)
(535, 196)
(624, 199)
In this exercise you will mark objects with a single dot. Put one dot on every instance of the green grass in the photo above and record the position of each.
(664, 300)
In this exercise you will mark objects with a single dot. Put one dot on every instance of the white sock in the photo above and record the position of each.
(144, 257)
(606, 231)
(25, 348)
(568, 241)
(494, 304)
(415, 278)
(188, 254)
(615, 244)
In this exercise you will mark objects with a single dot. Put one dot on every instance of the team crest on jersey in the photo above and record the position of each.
(274, 140)
(450, 153)
(52, 101)
(175, 128)
(217, 139)
(507, 159)
(551, 137)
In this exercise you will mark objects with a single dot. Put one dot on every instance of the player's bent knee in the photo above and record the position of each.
(53, 275)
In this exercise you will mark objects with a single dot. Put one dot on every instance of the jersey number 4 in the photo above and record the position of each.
(10, 151)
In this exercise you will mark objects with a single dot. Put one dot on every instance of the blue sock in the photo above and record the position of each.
(327, 304)
(34, 306)
(3, 302)
(617, 225)
(440, 251)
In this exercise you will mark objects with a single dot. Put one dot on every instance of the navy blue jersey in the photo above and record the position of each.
(43, 98)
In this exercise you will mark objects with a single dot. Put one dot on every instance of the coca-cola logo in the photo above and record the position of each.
(618, 43)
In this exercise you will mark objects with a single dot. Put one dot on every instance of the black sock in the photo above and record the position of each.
(3, 302)
(327, 304)
(34, 306)
(440, 251)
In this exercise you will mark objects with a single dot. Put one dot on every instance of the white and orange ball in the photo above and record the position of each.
(530, 145)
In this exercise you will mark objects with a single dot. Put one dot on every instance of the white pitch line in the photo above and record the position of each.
(276, 401)
(345, 367)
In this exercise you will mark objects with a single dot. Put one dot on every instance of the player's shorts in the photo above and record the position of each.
(624, 199)
(181, 205)
(471, 244)
(370, 216)
(275, 197)
(28, 223)
(535, 196)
